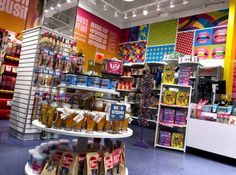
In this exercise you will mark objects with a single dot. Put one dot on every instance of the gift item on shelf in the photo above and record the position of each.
(172, 116)
(168, 74)
(112, 66)
(184, 76)
(67, 159)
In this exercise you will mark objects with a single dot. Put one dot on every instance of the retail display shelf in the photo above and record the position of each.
(172, 125)
(123, 90)
(133, 64)
(190, 64)
(126, 77)
(94, 134)
(136, 118)
(177, 85)
(85, 88)
(29, 171)
(170, 147)
(157, 63)
(174, 106)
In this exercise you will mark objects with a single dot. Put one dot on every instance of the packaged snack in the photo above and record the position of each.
(50, 168)
(68, 164)
(182, 98)
(105, 83)
(177, 140)
(98, 106)
(169, 115)
(116, 126)
(82, 80)
(169, 68)
(73, 79)
(116, 157)
(164, 138)
(92, 163)
(79, 120)
(168, 77)
(108, 164)
(169, 97)
(90, 122)
(50, 114)
(100, 119)
(94, 81)
(68, 120)
(207, 108)
(180, 117)
(44, 110)
(82, 162)
(125, 123)
(39, 160)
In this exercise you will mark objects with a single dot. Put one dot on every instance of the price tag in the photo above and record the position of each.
(117, 112)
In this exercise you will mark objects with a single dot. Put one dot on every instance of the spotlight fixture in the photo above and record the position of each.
(69, 1)
(172, 4)
(185, 1)
(52, 8)
(58, 5)
(105, 7)
(126, 16)
(145, 11)
(128, 0)
(116, 14)
(134, 13)
(158, 7)
(45, 10)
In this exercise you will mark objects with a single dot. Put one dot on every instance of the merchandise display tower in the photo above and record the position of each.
(171, 130)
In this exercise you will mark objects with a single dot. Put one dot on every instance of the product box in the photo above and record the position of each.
(180, 117)
(169, 68)
(168, 77)
(169, 116)
(177, 140)
(169, 97)
(165, 138)
(182, 98)
(92, 163)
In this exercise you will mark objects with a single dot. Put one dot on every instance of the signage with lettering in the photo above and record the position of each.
(117, 112)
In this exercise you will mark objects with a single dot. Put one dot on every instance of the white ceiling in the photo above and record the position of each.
(180, 10)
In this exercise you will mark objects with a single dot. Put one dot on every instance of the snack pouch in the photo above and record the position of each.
(92, 163)
(182, 98)
(169, 97)
(108, 164)
(68, 164)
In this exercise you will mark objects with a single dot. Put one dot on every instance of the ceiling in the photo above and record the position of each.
(62, 18)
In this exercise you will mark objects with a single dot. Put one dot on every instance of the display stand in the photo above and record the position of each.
(82, 138)
(170, 127)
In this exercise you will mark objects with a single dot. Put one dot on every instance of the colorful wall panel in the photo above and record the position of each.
(184, 42)
(156, 53)
(201, 21)
(162, 33)
(132, 52)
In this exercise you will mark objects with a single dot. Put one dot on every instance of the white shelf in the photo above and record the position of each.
(95, 134)
(172, 125)
(29, 171)
(176, 85)
(133, 64)
(126, 77)
(153, 121)
(170, 147)
(174, 106)
(190, 64)
(86, 88)
(157, 63)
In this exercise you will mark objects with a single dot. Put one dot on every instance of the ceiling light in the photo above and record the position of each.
(126, 16)
(58, 5)
(145, 11)
(45, 10)
(116, 14)
(52, 8)
(185, 1)
(158, 7)
(128, 0)
(164, 14)
(69, 1)
(134, 13)
(105, 7)
(172, 4)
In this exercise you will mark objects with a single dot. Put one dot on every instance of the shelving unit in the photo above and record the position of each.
(82, 138)
(172, 126)
(86, 88)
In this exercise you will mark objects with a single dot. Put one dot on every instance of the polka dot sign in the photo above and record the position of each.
(184, 43)
(156, 53)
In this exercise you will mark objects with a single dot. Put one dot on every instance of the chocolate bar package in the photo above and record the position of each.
(182, 98)
(92, 163)
(116, 157)
(165, 138)
(68, 164)
(169, 97)
(81, 163)
(177, 140)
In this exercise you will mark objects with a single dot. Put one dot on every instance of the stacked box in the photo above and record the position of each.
(169, 116)
(177, 140)
(182, 98)
(180, 117)
(184, 76)
(165, 138)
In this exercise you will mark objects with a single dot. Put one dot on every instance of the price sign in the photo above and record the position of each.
(117, 112)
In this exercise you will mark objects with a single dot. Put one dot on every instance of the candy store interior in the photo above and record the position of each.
(125, 87)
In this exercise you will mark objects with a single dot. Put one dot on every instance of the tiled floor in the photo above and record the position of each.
(140, 161)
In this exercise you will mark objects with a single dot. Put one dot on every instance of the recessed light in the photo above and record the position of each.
(145, 11)
(69, 1)
(164, 14)
(126, 16)
(134, 13)
(128, 0)
(116, 14)
(158, 7)
(172, 4)
(105, 7)
(52, 8)
(45, 10)
(185, 1)
(58, 5)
